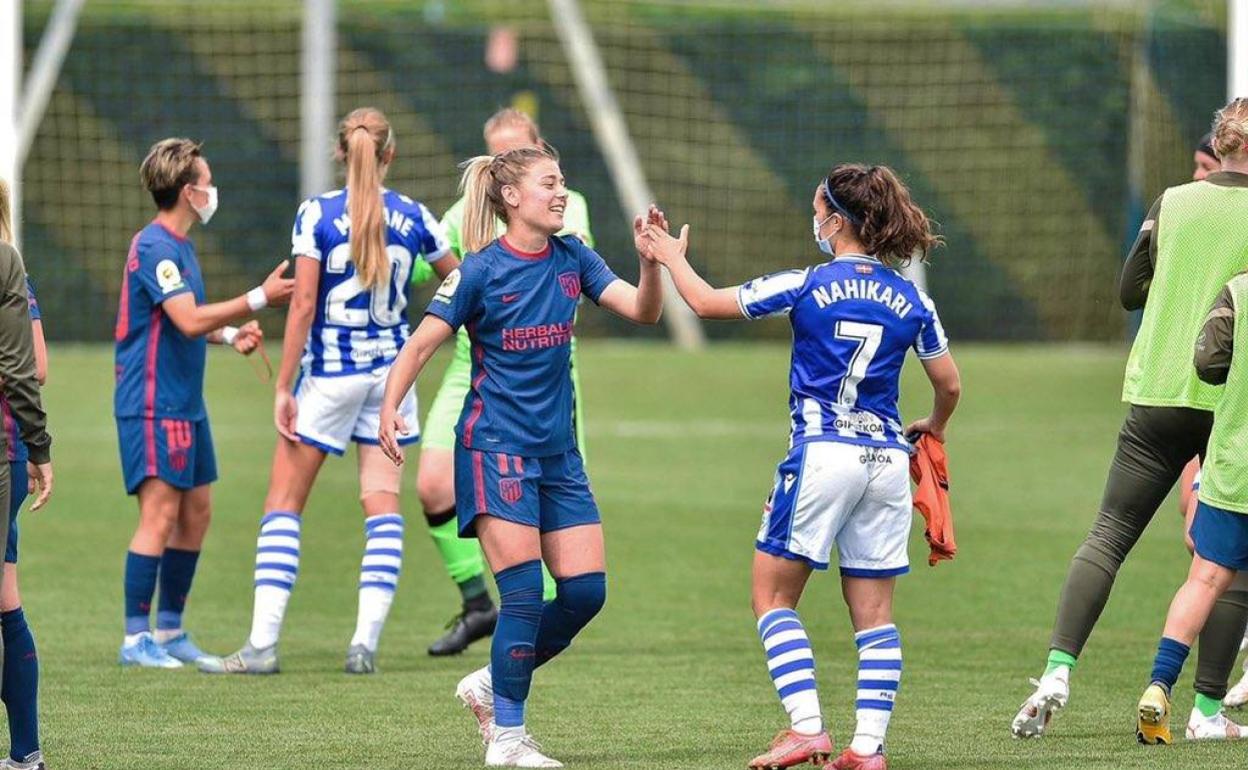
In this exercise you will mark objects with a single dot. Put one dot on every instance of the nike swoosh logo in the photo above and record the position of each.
(508, 298)
(788, 482)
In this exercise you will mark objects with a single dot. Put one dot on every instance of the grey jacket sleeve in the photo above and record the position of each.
(1216, 340)
(1137, 271)
(17, 357)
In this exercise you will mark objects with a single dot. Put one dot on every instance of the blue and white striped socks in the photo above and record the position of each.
(879, 673)
(277, 564)
(379, 575)
(792, 665)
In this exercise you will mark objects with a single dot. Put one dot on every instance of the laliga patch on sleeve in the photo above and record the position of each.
(446, 291)
(168, 277)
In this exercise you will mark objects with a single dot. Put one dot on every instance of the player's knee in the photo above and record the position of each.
(520, 590)
(583, 595)
(435, 490)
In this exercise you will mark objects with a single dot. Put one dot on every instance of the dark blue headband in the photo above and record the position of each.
(836, 205)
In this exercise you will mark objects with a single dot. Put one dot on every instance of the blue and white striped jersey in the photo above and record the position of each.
(853, 320)
(358, 330)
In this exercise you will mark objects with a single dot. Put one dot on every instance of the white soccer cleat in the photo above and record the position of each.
(476, 692)
(1214, 728)
(1052, 692)
(517, 749)
(1237, 695)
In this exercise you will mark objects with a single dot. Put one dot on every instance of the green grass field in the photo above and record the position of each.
(671, 675)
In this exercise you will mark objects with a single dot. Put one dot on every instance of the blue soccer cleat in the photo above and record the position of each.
(146, 653)
(182, 648)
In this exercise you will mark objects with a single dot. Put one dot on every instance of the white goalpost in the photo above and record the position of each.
(611, 133)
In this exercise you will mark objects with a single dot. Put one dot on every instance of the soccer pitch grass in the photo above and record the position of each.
(682, 450)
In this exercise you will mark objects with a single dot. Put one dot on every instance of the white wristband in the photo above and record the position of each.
(229, 334)
(256, 299)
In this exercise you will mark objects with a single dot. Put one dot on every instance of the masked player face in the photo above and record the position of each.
(539, 198)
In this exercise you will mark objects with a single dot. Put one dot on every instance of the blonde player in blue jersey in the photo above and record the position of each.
(520, 484)
(845, 481)
(354, 249)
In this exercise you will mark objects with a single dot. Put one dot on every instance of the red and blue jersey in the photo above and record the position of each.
(160, 370)
(519, 310)
(853, 320)
(357, 329)
(17, 452)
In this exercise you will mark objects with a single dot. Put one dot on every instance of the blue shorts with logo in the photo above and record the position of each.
(17, 496)
(1221, 536)
(549, 493)
(178, 452)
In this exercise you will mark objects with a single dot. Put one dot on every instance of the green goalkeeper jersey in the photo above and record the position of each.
(1224, 476)
(1201, 232)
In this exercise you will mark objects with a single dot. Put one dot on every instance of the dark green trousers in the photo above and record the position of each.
(1153, 446)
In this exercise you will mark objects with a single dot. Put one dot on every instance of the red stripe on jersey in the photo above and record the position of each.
(10, 429)
(123, 312)
(478, 480)
(502, 464)
(519, 464)
(149, 391)
(478, 405)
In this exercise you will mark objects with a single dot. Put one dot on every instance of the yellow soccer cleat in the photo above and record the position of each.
(1153, 724)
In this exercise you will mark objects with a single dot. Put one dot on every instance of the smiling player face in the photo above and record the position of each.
(540, 198)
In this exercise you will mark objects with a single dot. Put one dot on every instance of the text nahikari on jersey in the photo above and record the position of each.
(866, 289)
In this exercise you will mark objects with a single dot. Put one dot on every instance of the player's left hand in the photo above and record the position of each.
(248, 338)
(392, 426)
(41, 481)
(926, 426)
(660, 246)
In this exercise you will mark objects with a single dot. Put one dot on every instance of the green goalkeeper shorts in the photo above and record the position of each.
(439, 429)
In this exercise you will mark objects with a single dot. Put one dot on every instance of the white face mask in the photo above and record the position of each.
(206, 211)
(825, 244)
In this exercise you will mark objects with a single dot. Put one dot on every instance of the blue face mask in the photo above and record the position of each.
(825, 244)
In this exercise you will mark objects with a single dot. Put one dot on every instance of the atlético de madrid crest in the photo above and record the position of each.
(511, 490)
(571, 284)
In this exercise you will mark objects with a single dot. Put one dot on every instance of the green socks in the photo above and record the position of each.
(461, 556)
(1208, 706)
(1057, 658)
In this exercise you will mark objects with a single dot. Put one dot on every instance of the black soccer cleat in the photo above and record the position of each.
(464, 629)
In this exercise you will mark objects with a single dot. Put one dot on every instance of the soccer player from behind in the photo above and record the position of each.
(1190, 244)
(167, 460)
(1220, 528)
(21, 662)
(845, 482)
(353, 249)
(507, 129)
(520, 484)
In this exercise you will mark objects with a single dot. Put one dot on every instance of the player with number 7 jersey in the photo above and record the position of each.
(845, 482)
(354, 249)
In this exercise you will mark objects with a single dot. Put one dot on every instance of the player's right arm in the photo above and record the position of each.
(1137, 271)
(932, 348)
(457, 301)
(299, 319)
(1216, 341)
(705, 300)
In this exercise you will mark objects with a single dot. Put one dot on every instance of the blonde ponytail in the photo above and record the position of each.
(478, 228)
(6, 213)
(363, 139)
(482, 186)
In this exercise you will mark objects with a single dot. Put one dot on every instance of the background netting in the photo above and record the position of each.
(1035, 136)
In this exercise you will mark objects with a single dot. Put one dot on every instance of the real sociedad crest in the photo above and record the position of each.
(511, 490)
(571, 284)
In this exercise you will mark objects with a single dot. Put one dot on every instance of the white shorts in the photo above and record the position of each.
(334, 411)
(857, 497)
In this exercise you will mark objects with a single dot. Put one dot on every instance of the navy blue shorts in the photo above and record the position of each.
(178, 452)
(549, 493)
(17, 481)
(1221, 536)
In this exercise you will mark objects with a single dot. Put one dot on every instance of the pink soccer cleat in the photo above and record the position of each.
(848, 760)
(790, 748)
(476, 692)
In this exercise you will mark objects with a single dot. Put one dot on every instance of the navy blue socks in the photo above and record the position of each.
(512, 650)
(1171, 656)
(177, 570)
(20, 692)
(140, 586)
(579, 599)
